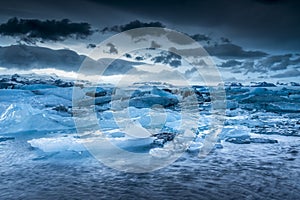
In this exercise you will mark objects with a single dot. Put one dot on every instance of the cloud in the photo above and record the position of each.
(91, 46)
(188, 73)
(277, 62)
(170, 58)
(269, 23)
(132, 25)
(266, 64)
(169, 76)
(33, 30)
(230, 63)
(225, 40)
(290, 73)
(249, 66)
(232, 51)
(112, 48)
(176, 38)
(196, 52)
(296, 61)
(224, 51)
(172, 36)
(155, 45)
(201, 37)
(118, 66)
(200, 62)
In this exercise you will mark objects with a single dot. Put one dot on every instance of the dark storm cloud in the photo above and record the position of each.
(265, 24)
(232, 51)
(223, 51)
(170, 35)
(274, 63)
(273, 23)
(230, 63)
(225, 40)
(170, 58)
(201, 37)
(132, 25)
(33, 30)
(287, 74)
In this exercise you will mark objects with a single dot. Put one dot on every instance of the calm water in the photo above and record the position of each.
(248, 171)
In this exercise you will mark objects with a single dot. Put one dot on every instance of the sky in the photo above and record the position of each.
(251, 38)
(272, 25)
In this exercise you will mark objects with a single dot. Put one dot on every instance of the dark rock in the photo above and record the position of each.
(61, 83)
(96, 94)
(163, 137)
(61, 108)
(245, 139)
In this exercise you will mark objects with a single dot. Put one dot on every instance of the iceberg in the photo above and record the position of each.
(43, 104)
(57, 144)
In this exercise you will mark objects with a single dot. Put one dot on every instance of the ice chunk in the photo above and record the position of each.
(65, 93)
(48, 101)
(283, 107)
(235, 134)
(263, 84)
(149, 101)
(37, 86)
(10, 95)
(162, 93)
(244, 139)
(196, 145)
(57, 144)
(295, 97)
(137, 145)
(160, 153)
(23, 117)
